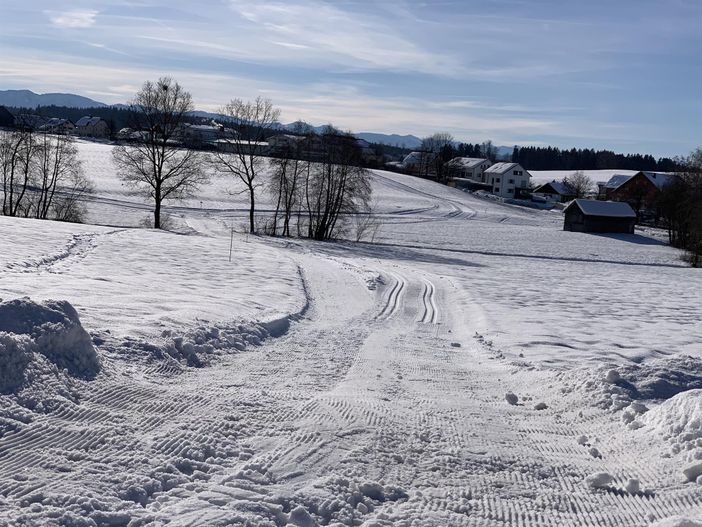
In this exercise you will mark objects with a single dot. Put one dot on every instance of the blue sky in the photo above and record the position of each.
(620, 74)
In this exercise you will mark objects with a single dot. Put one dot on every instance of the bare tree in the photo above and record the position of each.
(488, 150)
(17, 150)
(367, 223)
(157, 163)
(59, 178)
(680, 205)
(337, 187)
(254, 121)
(288, 170)
(580, 184)
(440, 150)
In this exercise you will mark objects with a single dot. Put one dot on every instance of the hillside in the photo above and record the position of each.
(29, 99)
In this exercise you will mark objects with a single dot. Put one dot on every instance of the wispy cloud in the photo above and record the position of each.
(516, 71)
(332, 35)
(77, 18)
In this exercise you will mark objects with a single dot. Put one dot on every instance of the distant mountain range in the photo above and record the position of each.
(29, 99)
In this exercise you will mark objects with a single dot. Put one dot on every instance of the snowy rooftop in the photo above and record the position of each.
(412, 157)
(660, 179)
(501, 168)
(616, 209)
(467, 162)
(557, 186)
(87, 121)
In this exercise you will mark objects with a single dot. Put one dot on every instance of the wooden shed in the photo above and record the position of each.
(584, 215)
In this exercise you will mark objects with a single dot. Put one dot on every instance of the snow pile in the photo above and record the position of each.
(196, 347)
(599, 480)
(677, 521)
(51, 329)
(620, 388)
(678, 420)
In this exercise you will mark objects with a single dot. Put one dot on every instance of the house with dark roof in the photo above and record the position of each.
(508, 180)
(56, 125)
(584, 215)
(555, 191)
(418, 162)
(7, 120)
(639, 190)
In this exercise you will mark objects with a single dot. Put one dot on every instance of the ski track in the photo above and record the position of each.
(430, 312)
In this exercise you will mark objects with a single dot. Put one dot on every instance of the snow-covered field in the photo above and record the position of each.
(474, 365)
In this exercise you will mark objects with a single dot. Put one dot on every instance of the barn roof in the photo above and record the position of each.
(659, 179)
(617, 180)
(558, 186)
(609, 209)
(415, 157)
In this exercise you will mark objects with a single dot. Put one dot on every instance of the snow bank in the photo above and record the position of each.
(677, 521)
(50, 330)
(679, 419)
(621, 388)
(196, 347)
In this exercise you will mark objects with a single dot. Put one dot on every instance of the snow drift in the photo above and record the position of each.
(34, 334)
(678, 419)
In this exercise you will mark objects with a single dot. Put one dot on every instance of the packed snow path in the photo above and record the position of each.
(376, 408)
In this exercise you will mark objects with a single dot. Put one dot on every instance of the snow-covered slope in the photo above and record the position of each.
(474, 365)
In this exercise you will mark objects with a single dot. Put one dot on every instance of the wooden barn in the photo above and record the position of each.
(584, 215)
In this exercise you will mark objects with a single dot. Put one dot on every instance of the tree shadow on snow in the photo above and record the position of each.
(631, 238)
(387, 252)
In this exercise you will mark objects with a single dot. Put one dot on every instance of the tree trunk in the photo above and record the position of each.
(157, 207)
(252, 209)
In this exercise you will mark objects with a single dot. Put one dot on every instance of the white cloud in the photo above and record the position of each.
(322, 34)
(77, 18)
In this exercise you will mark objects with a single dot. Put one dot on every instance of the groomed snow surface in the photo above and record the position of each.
(474, 365)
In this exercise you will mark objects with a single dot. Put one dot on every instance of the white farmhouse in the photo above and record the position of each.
(508, 180)
(92, 127)
(469, 168)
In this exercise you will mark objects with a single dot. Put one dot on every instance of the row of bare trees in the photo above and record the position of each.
(316, 184)
(680, 206)
(42, 176)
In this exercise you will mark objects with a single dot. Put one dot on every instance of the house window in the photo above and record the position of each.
(511, 181)
(497, 180)
(517, 172)
(496, 189)
(510, 190)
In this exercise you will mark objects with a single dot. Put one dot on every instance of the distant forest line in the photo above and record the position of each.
(530, 157)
